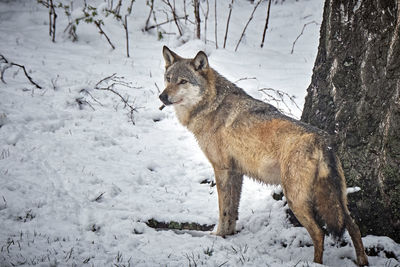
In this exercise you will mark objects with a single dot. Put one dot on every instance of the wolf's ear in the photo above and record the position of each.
(200, 61)
(169, 57)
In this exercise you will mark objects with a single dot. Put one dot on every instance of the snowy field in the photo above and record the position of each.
(79, 181)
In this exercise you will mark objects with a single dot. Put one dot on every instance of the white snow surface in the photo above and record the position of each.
(78, 184)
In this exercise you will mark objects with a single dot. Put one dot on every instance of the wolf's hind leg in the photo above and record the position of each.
(354, 232)
(306, 218)
(229, 187)
(298, 172)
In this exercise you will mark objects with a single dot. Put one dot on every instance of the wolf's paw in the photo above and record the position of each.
(362, 261)
(218, 234)
(222, 233)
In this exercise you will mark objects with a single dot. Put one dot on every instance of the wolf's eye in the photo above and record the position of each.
(168, 79)
(182, 82)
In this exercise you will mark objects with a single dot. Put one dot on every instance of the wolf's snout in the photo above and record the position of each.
(164, 98)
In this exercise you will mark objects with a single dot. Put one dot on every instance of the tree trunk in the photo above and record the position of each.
(354, 95)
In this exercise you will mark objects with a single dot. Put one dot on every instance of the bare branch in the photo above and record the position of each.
(98, 24)
(184, 10)
(9, 65)
(82, 102)
(3, 70)
(301, 33)
(99, 197)
(168, 3)
(266, 23)
(205, 13)
(162, 23)
(245, 78)
(130, 7)
(151, 3)
(105, 79)
(125, 24)
(115, 80)
(117, 9)
(158, 88)
(85, 91)
(227, 22)
(52, 18)
(278, 97)
(247, 24)
(215, 20)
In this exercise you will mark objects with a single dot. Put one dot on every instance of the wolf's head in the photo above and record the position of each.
(185, 79)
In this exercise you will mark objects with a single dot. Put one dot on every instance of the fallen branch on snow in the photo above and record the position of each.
(8, 64)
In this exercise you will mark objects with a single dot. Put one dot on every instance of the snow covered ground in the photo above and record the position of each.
(79, 181)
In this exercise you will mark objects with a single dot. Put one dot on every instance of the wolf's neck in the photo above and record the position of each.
(183, 115)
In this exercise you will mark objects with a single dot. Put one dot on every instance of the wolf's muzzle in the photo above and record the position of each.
(164, 98)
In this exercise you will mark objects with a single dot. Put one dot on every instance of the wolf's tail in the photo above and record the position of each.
(330, 195)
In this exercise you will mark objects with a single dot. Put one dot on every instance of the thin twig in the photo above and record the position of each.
(111, 88)
(5, 202)
(151, 3)
(227, 22)
(85, 91)
(184, 10)
(301, 33)
(266, 23)
(69, 254)
(82, 102)
(162, 23)
(98, 24)
(53, 17)
(168, 3)
(105, 79)
(215, 23)
(71, 28)
(3, 70)
(99, 197)
(4, 60)
(278, 96)
(125, 25)
(245, 78)
(130, 7)
(247, 24)
(158, 88)
(50, 18)
(117, 9)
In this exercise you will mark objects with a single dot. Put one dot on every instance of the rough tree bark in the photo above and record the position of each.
(354, 95)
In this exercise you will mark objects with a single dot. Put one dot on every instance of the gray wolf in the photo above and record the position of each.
(241, 135)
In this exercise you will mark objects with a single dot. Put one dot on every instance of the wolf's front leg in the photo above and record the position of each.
(229, 187)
